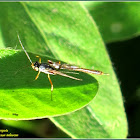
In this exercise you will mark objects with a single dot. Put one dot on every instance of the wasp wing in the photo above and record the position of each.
(75, 68)
(57, 66)
(68, 67)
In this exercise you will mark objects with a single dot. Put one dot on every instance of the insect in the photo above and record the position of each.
(53, 68)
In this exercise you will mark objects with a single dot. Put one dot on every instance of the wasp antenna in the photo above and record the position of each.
(24, 49)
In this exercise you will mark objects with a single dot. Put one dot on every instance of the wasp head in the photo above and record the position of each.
(35, 66)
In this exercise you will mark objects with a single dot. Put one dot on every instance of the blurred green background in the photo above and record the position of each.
(118, 24)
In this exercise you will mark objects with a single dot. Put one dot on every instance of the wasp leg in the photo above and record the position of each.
(37, 75)
(51, 85)
(39, 59)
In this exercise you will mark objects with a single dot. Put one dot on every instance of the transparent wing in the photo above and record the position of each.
(57, 66)
(97, 72)
(75, 68)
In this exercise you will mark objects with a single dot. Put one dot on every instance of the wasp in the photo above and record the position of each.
(53, 68)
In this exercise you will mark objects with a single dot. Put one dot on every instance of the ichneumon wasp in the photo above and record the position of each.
(54, 68)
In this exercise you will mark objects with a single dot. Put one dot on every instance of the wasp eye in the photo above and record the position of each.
(36, 64)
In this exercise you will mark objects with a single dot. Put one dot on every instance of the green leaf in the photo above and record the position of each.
(37, 94)
(21, 95)
(65, 31)
(116, 21)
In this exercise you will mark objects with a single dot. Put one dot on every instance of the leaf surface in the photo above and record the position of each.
(23, 98)
(65, 31)
(116, 21)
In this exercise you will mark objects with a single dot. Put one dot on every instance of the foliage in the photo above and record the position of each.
(64, 31)
(116, 20)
